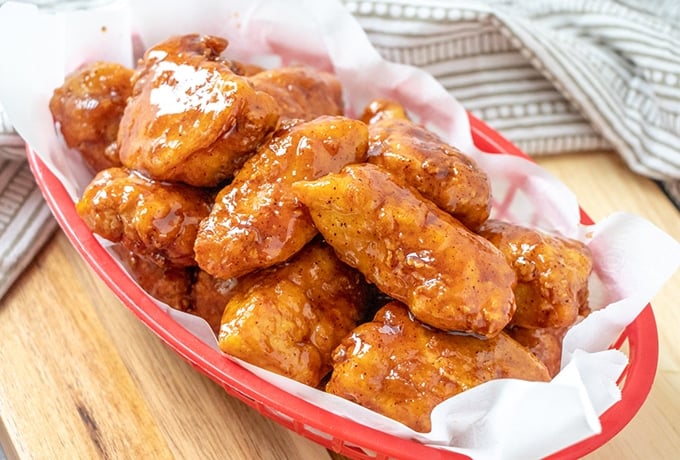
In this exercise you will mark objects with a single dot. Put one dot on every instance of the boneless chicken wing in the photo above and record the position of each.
(301, 92)
(545, 343)
(399, 368)
(209, 297)
(246, 69)
(420, 158)
(552, 274)
(191, 118)
(165, 282)
(187, 289)
(256, 220)
(290, 317)
(449, 277)
(88, 108)
(382, 109)
(156, 220)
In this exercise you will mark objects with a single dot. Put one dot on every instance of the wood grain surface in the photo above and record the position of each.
(81, 377)
(603, 185)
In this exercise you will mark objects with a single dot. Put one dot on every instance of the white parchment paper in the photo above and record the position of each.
(500, 419)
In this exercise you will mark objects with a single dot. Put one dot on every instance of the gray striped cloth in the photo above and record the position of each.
(25, 219)
(552, 76)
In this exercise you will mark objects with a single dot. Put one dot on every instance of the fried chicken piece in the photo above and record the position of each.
(187, 289)
(191, 119)
(156, 220)
(413, 251)
(245, 69)
(88, 108)
(302, 93)
(400, 368)
(381, 109)
(209, 297)
(256, 221)
(421, 159)
(545, 343)
(289, 318)
(167, 283)
(552, 274)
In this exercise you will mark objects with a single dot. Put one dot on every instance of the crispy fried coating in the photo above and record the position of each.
(545, 343)
(183, 288)
(552, 274)
(399, 368)
(413, 251)
(301, 92)
(246, 69)
(88, 108)
(209, 297)
(379, 109)
(289, 318)
(191, 119)
(256, 221)
(156, 220)
(440, 172)
(167, 283)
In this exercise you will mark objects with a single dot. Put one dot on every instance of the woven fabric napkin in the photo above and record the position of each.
(25, 219)
(552, 76)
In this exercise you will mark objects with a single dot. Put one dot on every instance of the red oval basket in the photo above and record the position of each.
(340, 434)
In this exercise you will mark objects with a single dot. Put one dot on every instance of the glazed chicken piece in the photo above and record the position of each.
(289, 318)
(256, 220)
(552, 274)
(187, 289)
(383, 109)
(399, 368)
(439, 171)
(302, 93)
(191, 118)
(156, 220)
(245, 69)
(169, 284)
(411, 250)
(545, 343)
(209, 297)
(88, 108)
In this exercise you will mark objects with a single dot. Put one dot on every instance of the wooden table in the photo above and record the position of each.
(81, 377)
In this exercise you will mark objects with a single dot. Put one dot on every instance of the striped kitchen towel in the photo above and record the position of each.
(25, 220)
(552, 76)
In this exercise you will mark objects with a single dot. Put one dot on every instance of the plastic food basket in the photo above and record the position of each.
(349, 438)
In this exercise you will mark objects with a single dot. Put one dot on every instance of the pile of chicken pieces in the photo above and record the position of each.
(352, 255)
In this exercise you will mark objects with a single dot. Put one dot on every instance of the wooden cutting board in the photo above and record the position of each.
(81, 377)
